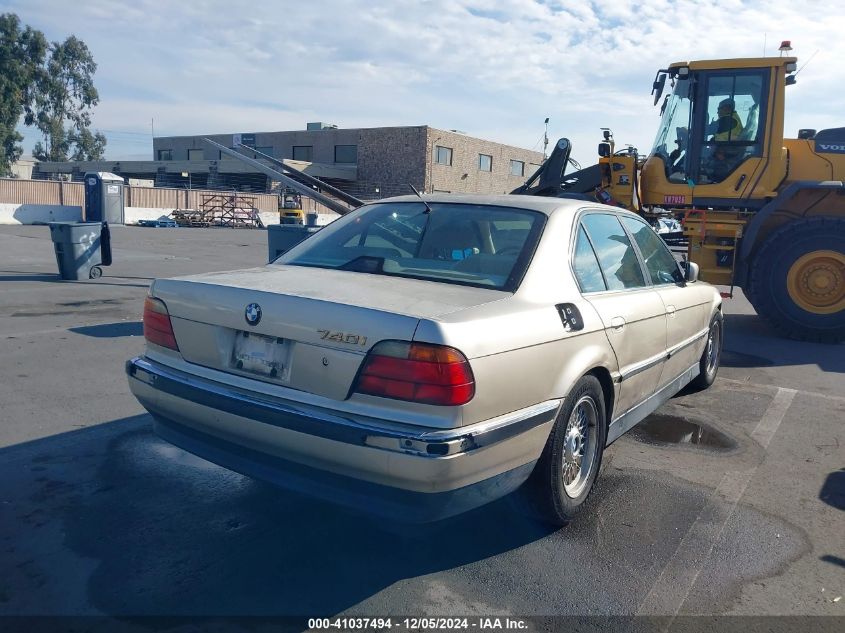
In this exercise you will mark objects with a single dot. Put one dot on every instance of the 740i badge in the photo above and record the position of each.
(342, 337)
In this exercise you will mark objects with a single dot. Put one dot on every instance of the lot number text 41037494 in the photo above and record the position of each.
(418, 624)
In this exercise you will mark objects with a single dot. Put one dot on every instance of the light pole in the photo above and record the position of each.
(545, 138)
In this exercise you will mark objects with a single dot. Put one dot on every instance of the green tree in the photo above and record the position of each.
(22, 53)
(87, 146)
(65, 98)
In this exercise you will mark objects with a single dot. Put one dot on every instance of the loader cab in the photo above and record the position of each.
(719, 126)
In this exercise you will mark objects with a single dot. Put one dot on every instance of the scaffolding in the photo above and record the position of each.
(222, 209)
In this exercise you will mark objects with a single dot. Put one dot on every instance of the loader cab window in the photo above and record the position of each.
(672, 135)
(730, 122)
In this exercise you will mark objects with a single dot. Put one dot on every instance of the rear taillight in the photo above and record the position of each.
(418, 372)
(157, 326)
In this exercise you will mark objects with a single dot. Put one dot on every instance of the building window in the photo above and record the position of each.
(165, 154)
(517, 168)
(265, 150)
(303, 152)
(485, 162)
(196, 154)
(346, 154)
(224, 156)
(443, 155)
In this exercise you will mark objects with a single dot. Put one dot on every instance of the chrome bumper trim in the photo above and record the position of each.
(381, 434)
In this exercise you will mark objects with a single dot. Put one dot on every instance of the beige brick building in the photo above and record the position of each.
(378, 162)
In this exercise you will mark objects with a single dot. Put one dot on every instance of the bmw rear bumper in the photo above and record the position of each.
(415, 473)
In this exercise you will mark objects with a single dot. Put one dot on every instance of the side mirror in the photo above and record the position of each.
(657, 87)
(604, 150)
(691, 270)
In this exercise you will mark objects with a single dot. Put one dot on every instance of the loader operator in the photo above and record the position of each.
(724, 129)
(728, 126)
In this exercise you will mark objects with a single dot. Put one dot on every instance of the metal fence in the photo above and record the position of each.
(162, 198)
(14, 191)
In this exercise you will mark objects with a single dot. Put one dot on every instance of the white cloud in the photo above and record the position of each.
(494, 70)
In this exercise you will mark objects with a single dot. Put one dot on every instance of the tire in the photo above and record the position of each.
(780, 292)
(547, 494)
(708, 364)
(95, 273)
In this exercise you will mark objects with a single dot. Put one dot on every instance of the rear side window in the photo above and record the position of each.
(616, 255)
(661, 264)
(586, 266)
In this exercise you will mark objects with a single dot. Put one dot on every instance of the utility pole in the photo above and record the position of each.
(546, 138)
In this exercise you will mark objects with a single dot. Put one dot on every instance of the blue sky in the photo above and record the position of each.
(493, 70)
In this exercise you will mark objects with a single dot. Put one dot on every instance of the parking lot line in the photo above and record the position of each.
(755, 385)
(672, 587)
(774, 415)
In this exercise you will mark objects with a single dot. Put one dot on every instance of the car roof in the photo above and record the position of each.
(533, 203)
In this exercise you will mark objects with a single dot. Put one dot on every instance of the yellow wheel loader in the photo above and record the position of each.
(761, 212)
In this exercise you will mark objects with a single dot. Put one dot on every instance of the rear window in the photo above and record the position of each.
(475, 245)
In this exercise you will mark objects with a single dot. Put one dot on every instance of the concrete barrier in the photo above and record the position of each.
(270, 218)
(43, 213)
(326, 218)
(131, 215)
(38, 213)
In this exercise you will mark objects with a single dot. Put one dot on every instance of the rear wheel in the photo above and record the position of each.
(798, 280)
(95, 273)
(565, 474)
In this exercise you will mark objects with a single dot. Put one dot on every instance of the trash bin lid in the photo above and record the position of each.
(73, 231)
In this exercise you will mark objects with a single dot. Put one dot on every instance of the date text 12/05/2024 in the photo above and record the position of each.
(416, 624)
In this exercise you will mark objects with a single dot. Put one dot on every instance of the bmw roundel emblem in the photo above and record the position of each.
(253, 313)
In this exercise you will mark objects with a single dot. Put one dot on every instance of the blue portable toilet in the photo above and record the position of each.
(104, 197)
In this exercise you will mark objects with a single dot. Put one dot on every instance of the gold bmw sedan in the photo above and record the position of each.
(422, 356)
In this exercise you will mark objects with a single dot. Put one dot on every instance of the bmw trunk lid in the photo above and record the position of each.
(305, 328)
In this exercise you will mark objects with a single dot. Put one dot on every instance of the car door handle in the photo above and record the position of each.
(670, 310)
(617, 323)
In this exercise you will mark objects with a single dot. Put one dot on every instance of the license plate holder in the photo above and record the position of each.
(264, 356)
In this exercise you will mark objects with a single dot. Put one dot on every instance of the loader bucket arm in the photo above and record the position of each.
(550, 174)
(305, 190)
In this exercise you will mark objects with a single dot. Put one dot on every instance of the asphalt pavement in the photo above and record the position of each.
(724, 502)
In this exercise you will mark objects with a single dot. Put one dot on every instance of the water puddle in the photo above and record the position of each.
(661, 429)
(97, 302)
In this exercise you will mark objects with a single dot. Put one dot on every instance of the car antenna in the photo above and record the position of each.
(419, 195)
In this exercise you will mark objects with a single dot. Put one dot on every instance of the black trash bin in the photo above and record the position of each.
(77, 247)
(283, 237)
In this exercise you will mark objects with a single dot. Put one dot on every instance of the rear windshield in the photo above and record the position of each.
(474, 245)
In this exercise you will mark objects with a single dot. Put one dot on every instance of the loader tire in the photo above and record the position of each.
(797, 280)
